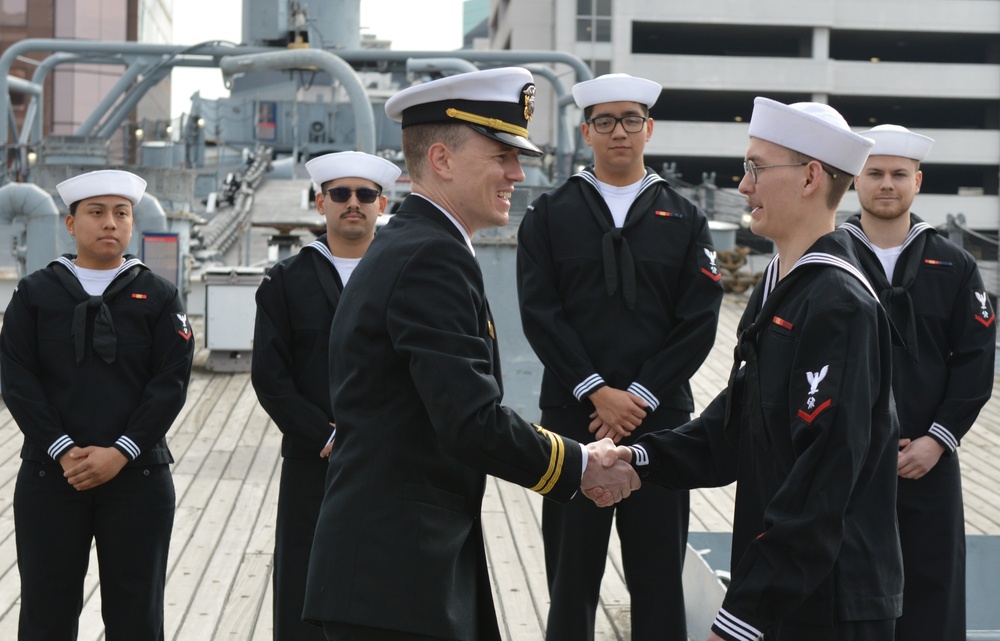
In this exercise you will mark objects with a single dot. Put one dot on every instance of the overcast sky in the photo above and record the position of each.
(406, 22)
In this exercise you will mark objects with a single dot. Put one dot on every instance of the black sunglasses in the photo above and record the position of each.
(342, 194)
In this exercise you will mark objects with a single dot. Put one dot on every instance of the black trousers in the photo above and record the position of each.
(299, 496)
(932, 535)
(336, 631)
(129, 517)
(652, 526)
(844, 631)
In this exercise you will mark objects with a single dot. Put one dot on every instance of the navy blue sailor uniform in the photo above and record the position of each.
(296, 303)
(807, 429)
(416, 384)
(634, 307)
(942, 377)
(110, 371)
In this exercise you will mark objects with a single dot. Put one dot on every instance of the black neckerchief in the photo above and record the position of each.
(896, 298)
(105, 342)
(613, 235)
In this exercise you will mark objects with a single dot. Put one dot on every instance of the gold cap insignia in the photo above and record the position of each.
(528, 94)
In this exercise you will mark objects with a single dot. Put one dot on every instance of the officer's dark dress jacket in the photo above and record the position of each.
(808, 430)
(416, 388)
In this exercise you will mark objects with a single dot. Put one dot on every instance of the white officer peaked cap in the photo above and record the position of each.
(893, 140)
(616, 87)
(497, 103)
(811, 128)
(353, 164)
(104, 182)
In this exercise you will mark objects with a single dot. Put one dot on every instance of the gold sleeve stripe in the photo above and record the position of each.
(556, 459)
(492, 123)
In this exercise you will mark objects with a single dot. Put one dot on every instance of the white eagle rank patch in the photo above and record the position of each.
(982, 310)
(812, 409)
(712, 271)
(182, 326)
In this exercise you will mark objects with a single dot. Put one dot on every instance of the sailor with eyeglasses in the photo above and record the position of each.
(620, 295)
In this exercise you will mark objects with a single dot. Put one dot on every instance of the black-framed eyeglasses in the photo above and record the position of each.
(752, 168)
(607, 124)
(366, 195)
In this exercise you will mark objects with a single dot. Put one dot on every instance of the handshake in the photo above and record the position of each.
(609, 477)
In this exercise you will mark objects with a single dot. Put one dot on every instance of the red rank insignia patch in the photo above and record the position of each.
(183, 328)
(982, 310)
(813, 407)
(712, 271)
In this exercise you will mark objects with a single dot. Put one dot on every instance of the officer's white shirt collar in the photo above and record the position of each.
(465, 235)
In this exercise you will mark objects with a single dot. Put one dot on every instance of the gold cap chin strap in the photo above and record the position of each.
(492, 123)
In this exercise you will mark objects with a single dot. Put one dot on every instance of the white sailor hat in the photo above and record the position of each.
(497, 103)
(104, 182)
(893, 140)
(615, 87)
(353, 164)
(811, 128)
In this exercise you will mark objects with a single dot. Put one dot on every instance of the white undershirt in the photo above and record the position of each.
(95, 281)
(619, 199)
(345, 267)
(888, 258)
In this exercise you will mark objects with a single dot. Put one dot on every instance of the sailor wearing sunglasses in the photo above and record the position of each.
(295, 307)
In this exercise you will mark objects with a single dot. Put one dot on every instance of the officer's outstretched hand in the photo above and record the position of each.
(607, 479)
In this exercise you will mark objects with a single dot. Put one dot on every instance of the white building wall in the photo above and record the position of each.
(540, 24)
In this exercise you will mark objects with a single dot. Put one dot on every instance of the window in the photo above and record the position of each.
(14, 13)
(599, 67)
(593, 20)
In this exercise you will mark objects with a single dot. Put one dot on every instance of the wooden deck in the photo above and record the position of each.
(227, 451)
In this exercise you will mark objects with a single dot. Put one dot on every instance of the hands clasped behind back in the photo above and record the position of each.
(608, 479)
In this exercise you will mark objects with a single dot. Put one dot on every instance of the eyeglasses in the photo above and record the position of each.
(365, 195)
(607, 124)
(749, 167)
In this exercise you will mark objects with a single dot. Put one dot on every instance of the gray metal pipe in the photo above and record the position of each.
(149, 216)
(580, 68)
(92, 47)
(33, 133)
(20, 85)
(32, 126)
(132, 97)
(564, 152)
(982, 635)
(132, 72)
(41, 219)
(364, 119)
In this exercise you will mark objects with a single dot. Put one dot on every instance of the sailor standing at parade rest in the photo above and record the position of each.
(942, 374)
(95, 354)
(620, 293)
